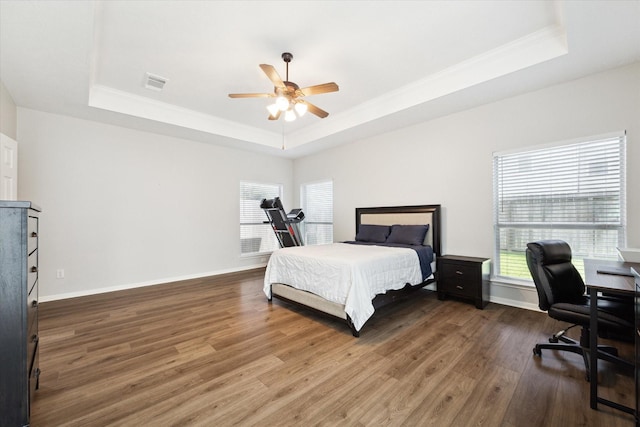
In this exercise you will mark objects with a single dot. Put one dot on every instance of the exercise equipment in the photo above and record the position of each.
(285, 225)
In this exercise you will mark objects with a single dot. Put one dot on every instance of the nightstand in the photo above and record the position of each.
(464, 277)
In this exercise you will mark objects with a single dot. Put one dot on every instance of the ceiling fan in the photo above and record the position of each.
(289, 95)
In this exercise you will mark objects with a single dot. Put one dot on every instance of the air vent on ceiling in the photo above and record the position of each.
(154, 82)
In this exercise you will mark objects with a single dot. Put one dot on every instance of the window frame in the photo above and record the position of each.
(304, 225)
(554, 228)
(268, 230)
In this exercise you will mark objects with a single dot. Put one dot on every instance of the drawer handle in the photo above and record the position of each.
(34, 269)
(459, 272)
(34, 338)
(37, 375)
(34, 234)
(459, 287)
(34, 304)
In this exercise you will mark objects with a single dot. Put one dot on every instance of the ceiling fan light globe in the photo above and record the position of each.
(273, 109)
(300, 108)
(289, 116)
(282, 103)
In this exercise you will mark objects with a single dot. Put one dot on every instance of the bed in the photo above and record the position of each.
(389, 259)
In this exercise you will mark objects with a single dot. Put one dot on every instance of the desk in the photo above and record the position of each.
(612, 284)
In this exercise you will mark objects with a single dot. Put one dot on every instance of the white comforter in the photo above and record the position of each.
(344, 273)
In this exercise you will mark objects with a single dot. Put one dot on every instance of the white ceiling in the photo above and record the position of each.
(396, 62)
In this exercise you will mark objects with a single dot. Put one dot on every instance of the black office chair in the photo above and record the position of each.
(561, 294)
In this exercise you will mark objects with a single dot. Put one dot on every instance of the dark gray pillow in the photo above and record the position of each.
(408, 234)
(373, 233)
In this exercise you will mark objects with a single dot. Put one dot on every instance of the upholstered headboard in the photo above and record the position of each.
(410, 215)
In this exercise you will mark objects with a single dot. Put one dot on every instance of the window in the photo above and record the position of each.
(573, 192)
(317, 205)
(256, 236)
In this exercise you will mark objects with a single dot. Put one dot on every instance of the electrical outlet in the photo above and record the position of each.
(60, 273)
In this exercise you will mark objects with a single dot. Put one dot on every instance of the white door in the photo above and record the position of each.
(8, 168)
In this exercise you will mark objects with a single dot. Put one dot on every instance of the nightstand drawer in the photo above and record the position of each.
(459, 272)
(463, 288)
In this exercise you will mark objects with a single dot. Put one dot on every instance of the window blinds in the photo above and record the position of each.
(573, 192)
(317, 205)
(255, 235)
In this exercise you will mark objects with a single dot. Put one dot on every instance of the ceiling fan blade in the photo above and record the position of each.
(315, 110)
(276, 117)
(318, 89)
(272, 74)
(251, 95)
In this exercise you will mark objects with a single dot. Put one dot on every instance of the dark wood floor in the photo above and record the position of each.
(214, 352)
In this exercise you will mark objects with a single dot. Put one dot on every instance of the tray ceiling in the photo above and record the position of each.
(397, 63)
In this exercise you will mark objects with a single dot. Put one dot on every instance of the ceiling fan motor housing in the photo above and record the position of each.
(289, 88)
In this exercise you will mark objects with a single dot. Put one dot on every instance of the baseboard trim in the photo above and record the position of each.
(501, 293)
(56, 297)
(514, 303)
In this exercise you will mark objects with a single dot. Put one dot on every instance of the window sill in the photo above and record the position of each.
(513, 282)
(259, 255)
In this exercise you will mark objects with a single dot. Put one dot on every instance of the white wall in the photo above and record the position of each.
(449, 160)
(124, 208)
(8, 113)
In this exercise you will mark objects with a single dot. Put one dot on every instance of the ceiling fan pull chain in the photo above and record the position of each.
(283, 136)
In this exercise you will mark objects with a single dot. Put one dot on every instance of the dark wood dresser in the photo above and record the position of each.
(464, 277)
(19, 370)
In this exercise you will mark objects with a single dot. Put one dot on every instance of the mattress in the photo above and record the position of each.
(351, 275)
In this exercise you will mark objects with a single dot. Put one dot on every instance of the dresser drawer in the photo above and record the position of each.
(32, 270)
(32, 306)
(32, 342)
(34, 375)
(32, 234)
